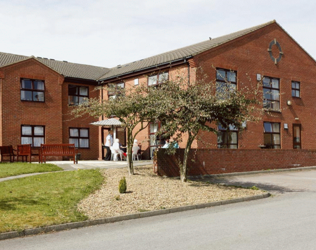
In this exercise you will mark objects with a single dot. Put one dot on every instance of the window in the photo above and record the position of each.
(226, 82)
(80, 137)
(32, 134)
(155, 140)
(158, 79)
(272, 135)
(115, 93)
(32, 90)
(271, 93)
(77, 94)
(296, 136)
(295, 89)
(136, 81)
(227, 138)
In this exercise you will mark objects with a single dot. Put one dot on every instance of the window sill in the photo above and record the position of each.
(272, 110)
(32, 101)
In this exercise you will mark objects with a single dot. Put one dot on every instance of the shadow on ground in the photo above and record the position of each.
(234, 181)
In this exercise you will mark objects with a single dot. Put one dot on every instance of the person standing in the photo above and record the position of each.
(108, 144)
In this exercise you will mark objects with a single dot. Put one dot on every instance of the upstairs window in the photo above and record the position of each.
(226, 82)
(296, 89)
(79, 137)
(32, 134)
(271, 93)
(77, 94)
(227, 138)
(32, 90)
(116, 90)
(272, 138)
(157, 79)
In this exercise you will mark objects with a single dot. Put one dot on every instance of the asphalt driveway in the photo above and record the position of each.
(274, 182)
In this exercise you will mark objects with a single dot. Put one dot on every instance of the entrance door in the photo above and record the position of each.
(297, 136)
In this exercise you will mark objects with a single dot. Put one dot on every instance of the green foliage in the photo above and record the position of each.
(122, 185)
(18, 168)
(185, 107)
(182, 107)
(45, 199)
(131, 108)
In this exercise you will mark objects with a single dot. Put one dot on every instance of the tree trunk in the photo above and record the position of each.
(129, 152)
(183, 167)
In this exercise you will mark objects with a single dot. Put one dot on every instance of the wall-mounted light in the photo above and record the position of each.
(296, 118)
(289, 103)
(285, 126)
(258, 77)
(244, 124)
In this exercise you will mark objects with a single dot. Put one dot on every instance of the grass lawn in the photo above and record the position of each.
(45, 199)
(17, 168)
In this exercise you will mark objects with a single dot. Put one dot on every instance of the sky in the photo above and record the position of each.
(111, 32)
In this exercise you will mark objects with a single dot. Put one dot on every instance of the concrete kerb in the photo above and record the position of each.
(75, 225)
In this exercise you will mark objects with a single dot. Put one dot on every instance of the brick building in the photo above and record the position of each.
(262, 53)
(36, 96)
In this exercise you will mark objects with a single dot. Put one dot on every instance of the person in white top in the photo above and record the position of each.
(166, 144)
(108, 144)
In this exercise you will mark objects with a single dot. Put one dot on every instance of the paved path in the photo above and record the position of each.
(68, 166)
(285, 221)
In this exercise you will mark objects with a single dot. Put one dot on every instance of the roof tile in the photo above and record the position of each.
(177, 54)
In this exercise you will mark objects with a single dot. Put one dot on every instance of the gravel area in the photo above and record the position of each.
(147, 192)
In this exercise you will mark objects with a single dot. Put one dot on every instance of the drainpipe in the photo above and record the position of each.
(188, 72)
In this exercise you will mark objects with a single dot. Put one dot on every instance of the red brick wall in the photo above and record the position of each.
(249, 56)
(82, 122)
(219, 161)
(143, 136)
(16, 112)
(53, 113)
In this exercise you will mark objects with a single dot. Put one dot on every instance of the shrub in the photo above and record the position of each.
(122, 185)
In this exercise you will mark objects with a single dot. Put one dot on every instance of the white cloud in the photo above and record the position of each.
(108, 33)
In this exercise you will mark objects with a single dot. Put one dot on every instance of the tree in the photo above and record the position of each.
(187, 108)
(128, 105)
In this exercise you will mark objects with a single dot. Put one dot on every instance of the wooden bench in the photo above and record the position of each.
(7, 151)
(25, 150)
(57, 150)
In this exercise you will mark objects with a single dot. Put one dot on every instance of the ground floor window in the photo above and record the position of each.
(297, 136)
(79, 137)
(227, 138)
(156, 141)
(272, 138)
(32, 134)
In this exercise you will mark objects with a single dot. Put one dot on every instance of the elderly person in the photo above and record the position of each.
(108, 144)
(117, 147)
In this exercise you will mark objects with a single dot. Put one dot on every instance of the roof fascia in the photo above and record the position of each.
(80, 80)
(144, 70)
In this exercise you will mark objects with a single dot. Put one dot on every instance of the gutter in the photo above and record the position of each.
(179, 61)
(80, 80)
